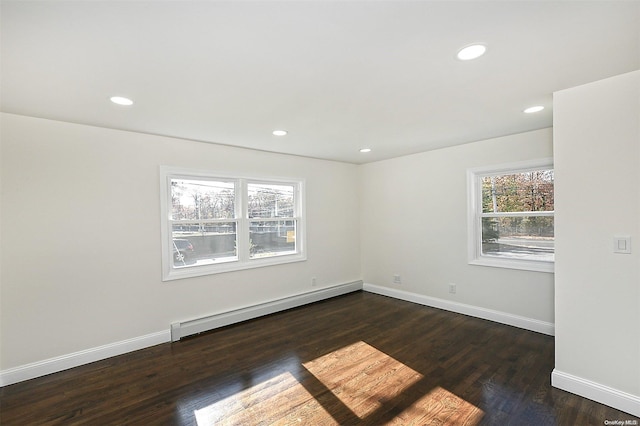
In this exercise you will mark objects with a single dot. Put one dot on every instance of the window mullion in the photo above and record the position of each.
(242, 236)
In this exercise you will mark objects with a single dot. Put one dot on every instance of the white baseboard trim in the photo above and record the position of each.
(185, 328)
(76, 359)
(596, 392)
(199, 325)
(461, 308)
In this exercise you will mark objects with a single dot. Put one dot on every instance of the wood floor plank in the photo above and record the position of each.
(358, 359)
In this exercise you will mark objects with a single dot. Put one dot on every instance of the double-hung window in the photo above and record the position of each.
(272, 219)
(217, 223)
(511, 216)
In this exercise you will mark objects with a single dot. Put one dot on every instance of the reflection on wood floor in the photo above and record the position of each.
(359, 359)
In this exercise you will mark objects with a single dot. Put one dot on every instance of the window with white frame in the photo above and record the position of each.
(511, 216)
(217, 223)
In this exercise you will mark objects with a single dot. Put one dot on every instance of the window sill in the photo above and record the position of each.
(230, 266)
(524, 265)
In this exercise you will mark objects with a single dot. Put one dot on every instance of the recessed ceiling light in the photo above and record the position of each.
(365, 150)
(121, 100)
(279, 132)
(471, 52)
(533, 109)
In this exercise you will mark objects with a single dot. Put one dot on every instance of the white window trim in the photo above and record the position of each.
(474, 221)
(242, 229)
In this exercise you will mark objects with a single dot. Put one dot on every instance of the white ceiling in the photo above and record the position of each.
(338, 75)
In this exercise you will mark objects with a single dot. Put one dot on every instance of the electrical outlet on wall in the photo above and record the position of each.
(396, 279)
(452, 288)
(314, 281)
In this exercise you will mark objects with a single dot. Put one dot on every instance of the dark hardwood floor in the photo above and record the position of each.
(356, 359)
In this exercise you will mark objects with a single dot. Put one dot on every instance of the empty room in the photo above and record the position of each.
(319, 212)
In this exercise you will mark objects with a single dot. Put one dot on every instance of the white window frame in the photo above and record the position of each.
(475, 215)
(169, 272)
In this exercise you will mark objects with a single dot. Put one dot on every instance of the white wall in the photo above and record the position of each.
(414, 223)
(597, 162)
(80, 249)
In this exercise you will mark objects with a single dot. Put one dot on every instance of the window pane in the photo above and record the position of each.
(528, 237)
(202, 199)
(270, 200)
(518, 192)
(196, 245)
(272, 238)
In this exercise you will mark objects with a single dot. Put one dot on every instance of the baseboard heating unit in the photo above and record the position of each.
(200, 325)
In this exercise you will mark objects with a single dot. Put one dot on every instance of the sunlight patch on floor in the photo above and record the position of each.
(364, 383)
(362, 377)
(439, 407)
(280, 400)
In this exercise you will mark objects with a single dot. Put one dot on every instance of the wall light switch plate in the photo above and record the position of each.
(622, 244)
